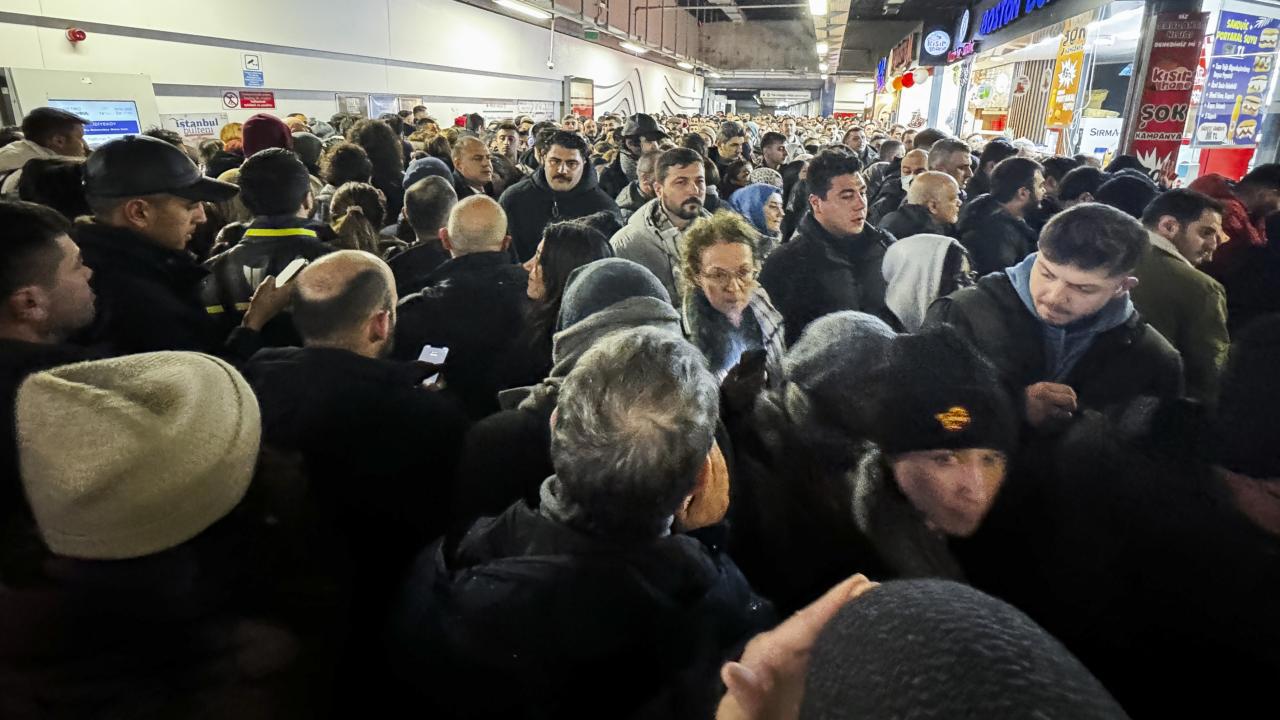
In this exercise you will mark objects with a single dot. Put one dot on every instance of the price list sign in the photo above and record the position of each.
(1237, 81)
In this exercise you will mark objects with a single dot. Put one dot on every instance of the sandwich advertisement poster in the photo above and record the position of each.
(1239, 78)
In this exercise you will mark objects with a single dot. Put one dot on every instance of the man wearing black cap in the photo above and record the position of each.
(146, 199)
(48, 133)
(640, 135)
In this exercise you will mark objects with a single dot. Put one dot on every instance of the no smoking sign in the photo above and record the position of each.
(231, 100)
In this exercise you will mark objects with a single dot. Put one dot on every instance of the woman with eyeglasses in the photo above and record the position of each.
(920, 269)
(726, 311)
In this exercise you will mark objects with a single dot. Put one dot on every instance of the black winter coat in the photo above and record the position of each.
(911, 220)
(614, 178)
(221, 162)
(994, 238)
(475, 305)
(1126, 362)
(241, 622)
(148, 296)
(463, 188)
(1125, 511)
(413, 267)
(531, 205)
(890, 198)
(816, 274)
(529, 618)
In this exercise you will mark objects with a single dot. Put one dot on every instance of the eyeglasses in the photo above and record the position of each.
(724, 278)
(966, 278)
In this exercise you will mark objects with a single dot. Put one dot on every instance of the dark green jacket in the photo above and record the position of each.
(1190, 309)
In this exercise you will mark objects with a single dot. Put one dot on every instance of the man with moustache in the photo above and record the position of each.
(833, 262)
(652, 236)
(564, 187)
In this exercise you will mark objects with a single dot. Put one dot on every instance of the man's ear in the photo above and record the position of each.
(506, 243)
(444, 240)
(380, 326)
(1169, 226)
(1127, 284)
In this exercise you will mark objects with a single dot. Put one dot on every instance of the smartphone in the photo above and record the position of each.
(290, 270)
(433, 355)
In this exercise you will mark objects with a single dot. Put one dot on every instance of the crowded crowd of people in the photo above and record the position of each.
(719, 416)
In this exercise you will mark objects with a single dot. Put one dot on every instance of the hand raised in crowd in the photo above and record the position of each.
(1049, 402)
(767, 683)
(267, 302)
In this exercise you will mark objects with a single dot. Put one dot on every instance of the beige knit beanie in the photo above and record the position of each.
(130, 456)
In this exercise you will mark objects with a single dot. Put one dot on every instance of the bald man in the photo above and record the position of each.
(893, 192)
(472, 168)
(474, 304)
(932, 206)
(378, 447)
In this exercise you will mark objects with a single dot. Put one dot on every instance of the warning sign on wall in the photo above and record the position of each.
(257, 99)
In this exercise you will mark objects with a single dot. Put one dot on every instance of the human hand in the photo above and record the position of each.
(267, 302)
(1046, 402)
(767, 683)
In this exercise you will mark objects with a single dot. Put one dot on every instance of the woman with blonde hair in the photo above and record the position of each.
(726, 311)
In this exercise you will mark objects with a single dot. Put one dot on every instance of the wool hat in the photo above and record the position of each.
(1246, 423)
(935, 391)
(130, 456)
(939, 649)
(597, 285)
(832, 362)
(425, 168)
(264, 131)
(765, 175)
(308, 147)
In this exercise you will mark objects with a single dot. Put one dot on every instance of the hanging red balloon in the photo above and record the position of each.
(897, 83)
(908, 80)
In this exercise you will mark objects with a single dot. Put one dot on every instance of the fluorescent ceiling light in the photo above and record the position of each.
(523, 9)
(634, 48)
(823, 66)
(713, 74)
(684, 65)
(816, 7)
(824, 76)
(823, 48)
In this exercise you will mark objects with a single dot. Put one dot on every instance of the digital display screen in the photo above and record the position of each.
(108, 119)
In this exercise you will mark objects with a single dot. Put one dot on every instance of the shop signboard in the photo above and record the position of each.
(353, 104)
(1065, 87)
(1237, 82)
(1007, 12)
(195, 126)
(903, 55)
(1166, 90)
(1100, 137)
(882, 73)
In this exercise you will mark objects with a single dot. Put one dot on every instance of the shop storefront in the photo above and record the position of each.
(1055, 73)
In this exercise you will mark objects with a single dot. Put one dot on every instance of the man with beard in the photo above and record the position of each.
(563, 188)
(652, 237)
(505, 155)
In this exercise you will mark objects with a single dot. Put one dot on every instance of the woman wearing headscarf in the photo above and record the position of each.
(726, 311)
(920, 269)
(761, 204)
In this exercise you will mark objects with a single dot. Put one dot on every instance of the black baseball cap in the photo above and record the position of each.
(137, 165)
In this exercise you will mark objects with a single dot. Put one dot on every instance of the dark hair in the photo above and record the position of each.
(712, 173)
(394, 121)
(569, 141)
(828, 165)
(695, 142)
(889, 149)
(791, 176)
(1185, 206)
(506, 125)
(1092, 236)
(770, 139)
(542, 139)
(729, 131)
(675, 158)
(169, 136)
(417, 108)
(604, 221)
(926, 138)
(1057, 167)
(1084, 179)
(1012, 175)
(995, 152)
(274, 182)
(366, 294)
(1127, 162)
(209, 149)
(727, 179)
(427, 204)
(365, 196)
(566, 247)
(383, 146)
(57, 183)
(345, 162)
(1263, 176)
(1129, 193)
(475, 122)
(43, 123)
(9, 134)
(440, 148)
(28, 253)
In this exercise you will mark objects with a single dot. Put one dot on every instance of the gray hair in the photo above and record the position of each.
(635, 420)
(942, 151)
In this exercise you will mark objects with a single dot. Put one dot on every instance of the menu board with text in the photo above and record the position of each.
(1238, 79)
